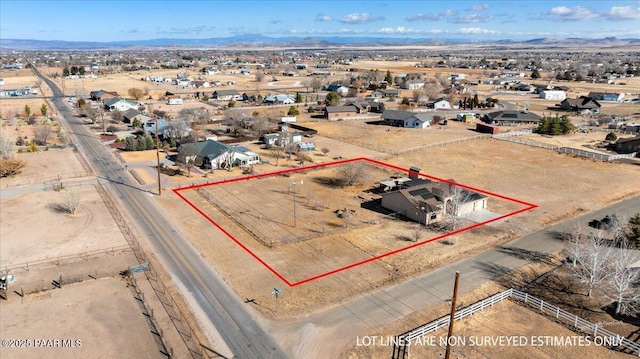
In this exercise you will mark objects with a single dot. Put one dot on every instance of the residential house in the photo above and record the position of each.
(511, 118)
(607, 96)
(174, 101)
(333, 113)
(102, 95)
(440, 104)
(306, 146)
(120, 104)
(412, 85)
(225, 95)
(26, 91)
(184, 82)
(279, 99)
(628, 145)
(337, 88)
(244, 157)
(406, 119)
(582, 105)
(466, 117)
(206, 154)
(428, 202)
(165, 128)
(200, 83)
(388, 92)
(553, 95)
(129, 116)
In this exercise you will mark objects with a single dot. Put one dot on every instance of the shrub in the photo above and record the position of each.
(611, 137)
(11, 166)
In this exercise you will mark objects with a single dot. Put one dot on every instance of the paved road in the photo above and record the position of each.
(242, 334)
(366, 314)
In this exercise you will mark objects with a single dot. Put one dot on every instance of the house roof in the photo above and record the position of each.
(337, 109)
(211, 149)
(225, 92)
(582, 102)
(440, 100)
(514, 116)
(628, 140)
(396, 115)
(278, 98)
(130, 113)
(115, 100)
(423, 117)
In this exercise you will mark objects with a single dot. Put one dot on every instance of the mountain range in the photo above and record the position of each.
(251, 40)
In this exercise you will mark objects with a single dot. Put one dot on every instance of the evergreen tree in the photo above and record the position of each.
(140, 144)
(130, 143)
(566, 126)
(476, 101)
(611, 137)
(389, 77)
(149, 143)
(556, 128)
(298, 97)
(65, 71)
(332, 99)
(43, 110)
(535, 74)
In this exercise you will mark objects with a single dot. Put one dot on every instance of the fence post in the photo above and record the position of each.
(575, 321)
(595, 330)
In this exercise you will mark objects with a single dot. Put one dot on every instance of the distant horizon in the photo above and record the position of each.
(473, 21)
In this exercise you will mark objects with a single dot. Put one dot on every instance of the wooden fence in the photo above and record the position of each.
(402, 341)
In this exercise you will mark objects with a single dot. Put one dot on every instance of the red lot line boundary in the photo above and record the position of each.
(527, 207)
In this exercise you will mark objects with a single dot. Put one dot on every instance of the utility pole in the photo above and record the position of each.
(294, 201)
(158, 158)
(453, 313)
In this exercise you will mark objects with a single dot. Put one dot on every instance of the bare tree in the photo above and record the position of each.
(592, 254)
(90, 112)
(324, 150)
(417, 232)
(116, 115)
(187, 154)
(458, 196)
(306, 83)
(623, 283)
(71, 202)
(277, 152)
(259, 77)
(6, 145)
(176, 129)
(41, 134)
(351, 174)
(136, 93)
(260, 125)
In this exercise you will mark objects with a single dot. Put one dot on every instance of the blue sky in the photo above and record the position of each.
(138, 20)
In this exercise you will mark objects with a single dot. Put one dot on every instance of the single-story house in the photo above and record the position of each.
(244, 157)
(388, 92)
(206, 154)
(102, 95)
(26, 91)
(511, 118)
(606, 96)
(553, 95)
(200, 83)
(306, 146)
(412, 84)
(279, 99)
(165, 128)
(628, 145)
(582, 104)
(440, 104)
(225, 95)
(119, 104)
(406, 119)
(336, 112)
(129, 116)
(174, 101)
(426, 201)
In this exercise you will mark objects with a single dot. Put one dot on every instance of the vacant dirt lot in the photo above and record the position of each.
(102, 318)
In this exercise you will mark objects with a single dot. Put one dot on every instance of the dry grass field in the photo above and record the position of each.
(101, 318)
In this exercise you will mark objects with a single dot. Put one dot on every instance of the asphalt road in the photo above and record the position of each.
(242, 334)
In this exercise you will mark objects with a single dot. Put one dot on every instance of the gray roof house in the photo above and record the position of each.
(511, 118)
(406, 119)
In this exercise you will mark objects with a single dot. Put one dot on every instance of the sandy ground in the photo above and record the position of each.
(100, 319)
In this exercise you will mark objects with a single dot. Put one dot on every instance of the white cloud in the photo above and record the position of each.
(476, 31)
(399, 30)
(478, 7)
(322, 18)
(359, 18)
(623, 13)
(576, 13)
(431, 17)
(471, 18)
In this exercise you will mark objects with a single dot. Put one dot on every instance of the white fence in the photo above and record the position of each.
(566, 318)
(572, 151)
